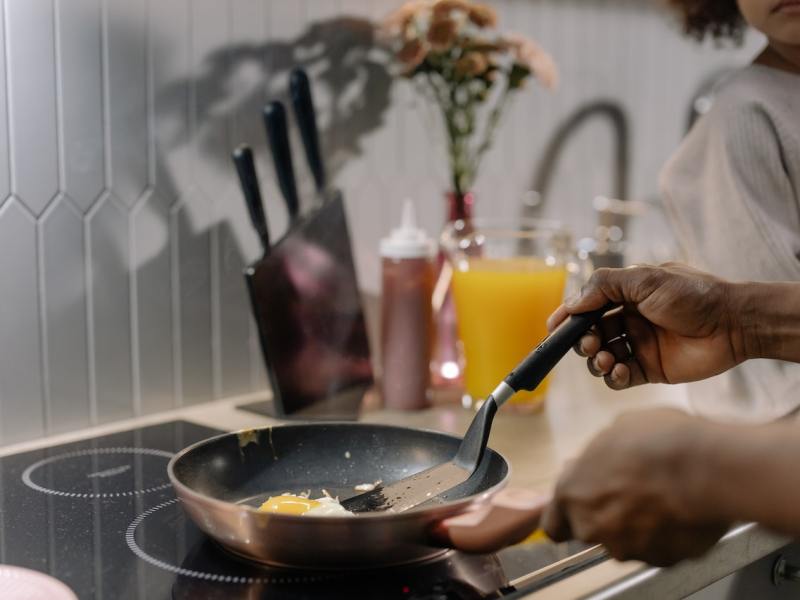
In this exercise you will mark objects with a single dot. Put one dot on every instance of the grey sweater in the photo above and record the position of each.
(732, 191)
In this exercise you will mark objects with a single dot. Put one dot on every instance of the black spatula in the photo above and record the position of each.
(426, 485)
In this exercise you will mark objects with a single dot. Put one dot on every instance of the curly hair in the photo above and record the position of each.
(717, 18)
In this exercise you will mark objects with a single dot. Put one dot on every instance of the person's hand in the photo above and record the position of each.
(637, 490)
(676, 324)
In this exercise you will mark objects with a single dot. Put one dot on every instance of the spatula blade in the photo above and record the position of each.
(410, 491)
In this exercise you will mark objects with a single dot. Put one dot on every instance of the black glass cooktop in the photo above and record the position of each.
(100, 516)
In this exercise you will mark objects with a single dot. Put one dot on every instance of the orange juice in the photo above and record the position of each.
(502, 306)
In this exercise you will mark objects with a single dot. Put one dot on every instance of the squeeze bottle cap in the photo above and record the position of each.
(408, 240)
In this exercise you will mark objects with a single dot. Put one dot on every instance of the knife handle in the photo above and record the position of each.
(303, 103)
(248, 179)
(534, 368)
(278, 136)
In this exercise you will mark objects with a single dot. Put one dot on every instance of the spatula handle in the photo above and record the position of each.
(531, 371)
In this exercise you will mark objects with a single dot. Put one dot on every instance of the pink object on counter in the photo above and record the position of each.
(17, 583)
(407, 327)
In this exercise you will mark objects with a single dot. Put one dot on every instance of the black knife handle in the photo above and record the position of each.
(303, 103)
(278, 136)
(248, 178)
(530, 372)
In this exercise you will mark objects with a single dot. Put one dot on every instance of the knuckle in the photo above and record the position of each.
(598, 278)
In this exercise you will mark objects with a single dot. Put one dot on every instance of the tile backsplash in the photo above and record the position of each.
(123, 234)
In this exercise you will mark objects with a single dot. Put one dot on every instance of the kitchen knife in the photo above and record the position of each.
(303, 104)
(248, 179)
(278, 136)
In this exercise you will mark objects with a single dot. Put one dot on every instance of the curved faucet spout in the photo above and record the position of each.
(619, 121)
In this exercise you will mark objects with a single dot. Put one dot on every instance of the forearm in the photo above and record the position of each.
(748, 473)
(767, 316)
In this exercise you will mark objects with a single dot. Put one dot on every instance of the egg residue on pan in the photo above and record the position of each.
(289, 504)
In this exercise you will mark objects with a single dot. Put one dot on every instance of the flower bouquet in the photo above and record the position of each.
(469, 70)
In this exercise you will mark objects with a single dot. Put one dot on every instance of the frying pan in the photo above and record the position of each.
(222, 481)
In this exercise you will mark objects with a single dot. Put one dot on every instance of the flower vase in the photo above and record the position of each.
(447, 363)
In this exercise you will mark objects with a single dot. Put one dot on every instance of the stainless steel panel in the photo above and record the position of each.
(111, 314)
(127, 81)
(79, 40)
(31, 85)
(64, 297)
(153, 322)
(21, 405)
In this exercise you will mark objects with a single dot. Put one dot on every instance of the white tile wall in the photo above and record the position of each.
(123, 235)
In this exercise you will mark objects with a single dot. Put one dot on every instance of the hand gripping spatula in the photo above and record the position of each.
(430, 483)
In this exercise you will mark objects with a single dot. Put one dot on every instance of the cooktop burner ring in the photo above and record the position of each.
(28, 480)
(130, 539)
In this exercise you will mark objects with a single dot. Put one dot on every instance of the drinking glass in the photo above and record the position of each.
(508, 277)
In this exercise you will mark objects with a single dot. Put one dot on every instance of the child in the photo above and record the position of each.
(732, 189)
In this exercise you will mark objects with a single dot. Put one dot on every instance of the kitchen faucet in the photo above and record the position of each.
(607, 219)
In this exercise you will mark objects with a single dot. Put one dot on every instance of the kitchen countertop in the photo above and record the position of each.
(536, 445)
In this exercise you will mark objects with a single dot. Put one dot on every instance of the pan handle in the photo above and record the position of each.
(507, 518)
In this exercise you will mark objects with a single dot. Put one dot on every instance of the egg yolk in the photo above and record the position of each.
(288, 505)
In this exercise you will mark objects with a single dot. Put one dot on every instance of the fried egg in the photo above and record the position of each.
(289, 504)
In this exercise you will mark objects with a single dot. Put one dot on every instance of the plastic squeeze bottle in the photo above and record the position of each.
(406, 314)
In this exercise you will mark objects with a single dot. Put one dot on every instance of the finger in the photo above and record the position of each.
(588, 345)
(619, 378)
(557, 318)
(604, 362)
(592, 368)
(621, 286)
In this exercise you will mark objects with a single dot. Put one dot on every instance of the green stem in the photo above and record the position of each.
(491, 127)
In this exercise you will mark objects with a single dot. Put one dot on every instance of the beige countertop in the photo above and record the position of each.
(536, 445)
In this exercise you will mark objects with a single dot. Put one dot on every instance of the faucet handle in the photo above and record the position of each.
(623, 208)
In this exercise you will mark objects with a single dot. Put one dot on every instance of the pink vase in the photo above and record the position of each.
(447, 363)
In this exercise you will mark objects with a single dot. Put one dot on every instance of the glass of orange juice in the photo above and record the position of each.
(508, 276)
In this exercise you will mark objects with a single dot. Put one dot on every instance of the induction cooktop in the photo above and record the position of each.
(100, 516)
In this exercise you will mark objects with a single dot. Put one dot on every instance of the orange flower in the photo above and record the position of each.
(443, 8)
(531, 56)
(482, 45)
(483, 15)
(412, 54)
(398, 21)
(472, 64)
(442, 34)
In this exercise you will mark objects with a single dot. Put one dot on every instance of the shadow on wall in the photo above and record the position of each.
(171, 318)
(352, 88)
(351, 81)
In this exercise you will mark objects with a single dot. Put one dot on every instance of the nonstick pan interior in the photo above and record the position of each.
(252, 465)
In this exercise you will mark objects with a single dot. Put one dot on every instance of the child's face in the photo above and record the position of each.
(778, 19)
